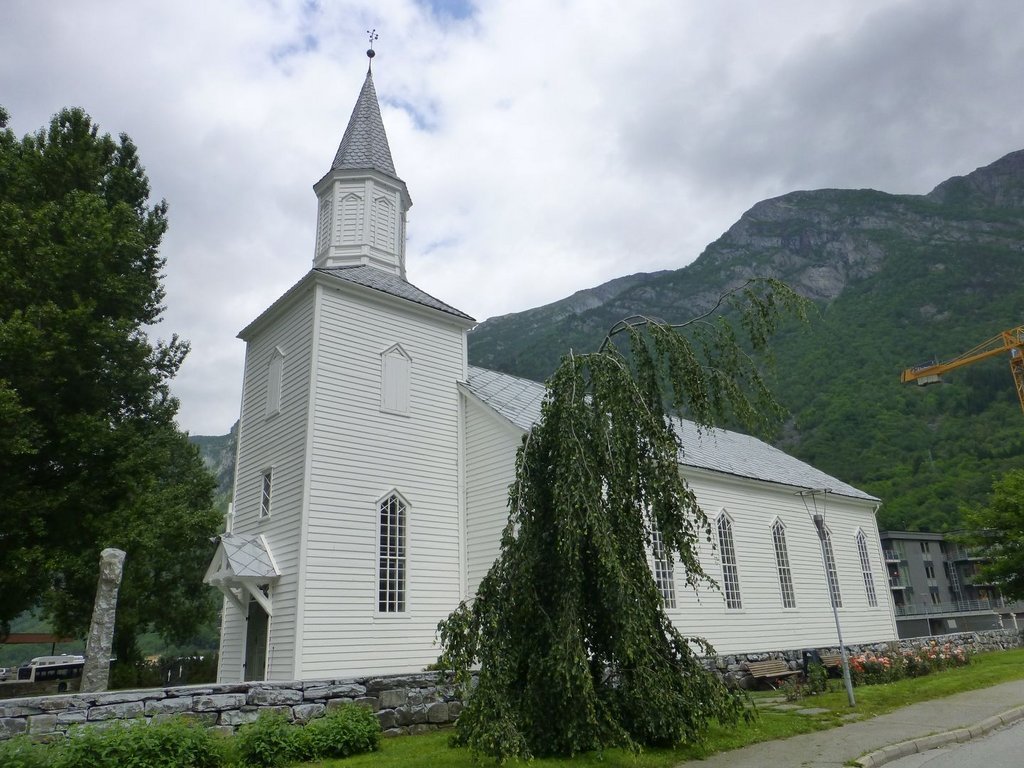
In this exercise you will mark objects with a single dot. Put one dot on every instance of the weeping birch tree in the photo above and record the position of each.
(568, 629)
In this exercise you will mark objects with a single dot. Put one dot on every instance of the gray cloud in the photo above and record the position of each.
(547, 147)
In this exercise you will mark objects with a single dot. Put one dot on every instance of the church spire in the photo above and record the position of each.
(362, 201)
(365, 144)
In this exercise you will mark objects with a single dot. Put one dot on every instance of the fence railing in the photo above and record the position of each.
(960, 606)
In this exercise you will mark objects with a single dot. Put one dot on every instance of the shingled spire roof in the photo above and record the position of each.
(365, 144)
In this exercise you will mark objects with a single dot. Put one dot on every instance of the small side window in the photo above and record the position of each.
(275, 375)
(267, 480)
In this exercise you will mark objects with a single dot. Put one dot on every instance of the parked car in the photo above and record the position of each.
(5, 672)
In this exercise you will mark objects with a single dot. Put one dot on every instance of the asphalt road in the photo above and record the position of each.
(1003, 748)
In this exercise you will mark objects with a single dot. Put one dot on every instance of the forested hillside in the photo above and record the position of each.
(898, 280)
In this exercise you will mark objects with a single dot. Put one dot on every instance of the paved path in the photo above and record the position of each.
(1000, 749)
(956, 718)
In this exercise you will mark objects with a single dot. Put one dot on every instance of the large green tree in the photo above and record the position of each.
(996, 532)
(574, 648)
(90, 455)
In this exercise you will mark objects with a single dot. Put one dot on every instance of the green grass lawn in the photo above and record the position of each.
(986, 670)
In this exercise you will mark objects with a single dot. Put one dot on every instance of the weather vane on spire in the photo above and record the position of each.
(370, 53)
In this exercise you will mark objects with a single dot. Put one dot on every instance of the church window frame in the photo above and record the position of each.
(664, 573)
(275, 381)
(782, 566)
(266, 492)
(392, 554)
(865, 569)
(730, 566)
(831, 571)
(395, 376)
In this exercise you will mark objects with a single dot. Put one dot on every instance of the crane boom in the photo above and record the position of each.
(1011, 341)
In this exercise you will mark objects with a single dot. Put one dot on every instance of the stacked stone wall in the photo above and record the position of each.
(403, 703)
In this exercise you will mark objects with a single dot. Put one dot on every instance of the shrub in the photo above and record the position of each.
(175, 743)
(347, 730)
(22, 752)
(817, 678)
(270, 742)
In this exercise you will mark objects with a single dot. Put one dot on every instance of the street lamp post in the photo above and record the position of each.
(819, 523)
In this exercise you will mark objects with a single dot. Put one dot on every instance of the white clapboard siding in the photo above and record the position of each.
(491, 444)
(361, 452)
(274, 441)
(763, 623)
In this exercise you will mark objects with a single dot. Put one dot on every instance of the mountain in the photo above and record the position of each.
(218, 454)
(897, 279)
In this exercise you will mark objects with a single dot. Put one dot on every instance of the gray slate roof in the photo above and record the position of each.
(365, 144)
(386, 282)
(248, 558)
(719, 450)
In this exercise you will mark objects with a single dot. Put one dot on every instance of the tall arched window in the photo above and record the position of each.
(830, 569)
(391, 572)
(782, 565)
(865, 568)
(730, 570)
(275, 376)
(664, 575)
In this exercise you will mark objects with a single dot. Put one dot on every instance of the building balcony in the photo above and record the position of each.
(891, 556)
(959, 606)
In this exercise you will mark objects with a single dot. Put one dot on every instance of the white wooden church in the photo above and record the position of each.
(373, 466)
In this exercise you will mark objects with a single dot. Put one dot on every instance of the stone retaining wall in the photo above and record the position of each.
(403, 703)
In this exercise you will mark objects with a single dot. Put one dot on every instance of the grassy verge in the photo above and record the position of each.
(986, 670)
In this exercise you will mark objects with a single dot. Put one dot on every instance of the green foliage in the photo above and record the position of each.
(996, 532)
(90, 456)
(574, 647)
(342, 731)
(270, 742)
(24, 752)
(176, 743)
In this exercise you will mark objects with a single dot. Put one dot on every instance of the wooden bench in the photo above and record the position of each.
(831, 661)
(770, 671)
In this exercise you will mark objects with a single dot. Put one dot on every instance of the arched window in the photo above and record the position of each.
(865, 568)
(830, 568)
(782, 565)
(730, 571)
(391, 572)
(664, 575)
(275, 375)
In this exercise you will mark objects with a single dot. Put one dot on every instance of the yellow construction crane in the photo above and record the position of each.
(1011, 341)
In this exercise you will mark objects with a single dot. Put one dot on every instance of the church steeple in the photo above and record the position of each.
(362, 203)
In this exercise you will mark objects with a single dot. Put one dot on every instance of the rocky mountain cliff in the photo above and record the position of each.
(898, 279)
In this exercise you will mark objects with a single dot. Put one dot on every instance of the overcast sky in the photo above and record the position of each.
(548, 145)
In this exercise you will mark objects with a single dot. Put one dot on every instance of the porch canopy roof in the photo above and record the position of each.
(242, 568)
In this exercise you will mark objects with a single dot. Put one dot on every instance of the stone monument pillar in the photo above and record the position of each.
(96, 672)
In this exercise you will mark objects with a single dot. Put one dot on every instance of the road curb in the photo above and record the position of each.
(924, 743)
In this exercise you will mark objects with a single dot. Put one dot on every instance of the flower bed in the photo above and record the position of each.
(871, 668)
